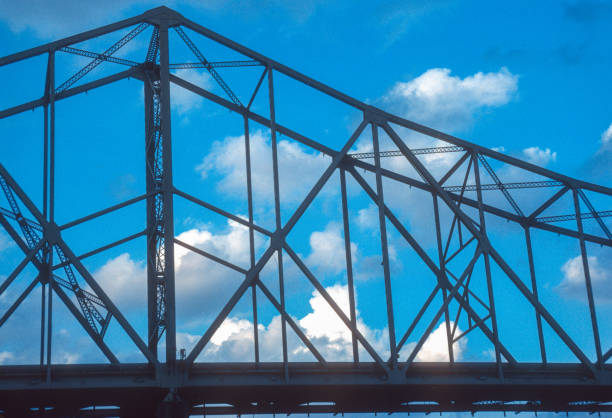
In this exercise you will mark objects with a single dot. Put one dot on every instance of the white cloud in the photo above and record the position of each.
(68, 346)
(449, 102)
(573, 285)
(606, 137)
(199, 281)
(299, 168)
(367, 218)
(233, 245)
(539, 156)
(124, 280)
(234, 339)
(6, 357)
(182, 100)
(435, 347)
(327, 250)
(5, 242)
(323, 320)
(598, 165)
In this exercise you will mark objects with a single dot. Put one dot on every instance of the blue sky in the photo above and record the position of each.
(529, 79)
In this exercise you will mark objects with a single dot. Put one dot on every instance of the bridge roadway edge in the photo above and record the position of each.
(240, 388)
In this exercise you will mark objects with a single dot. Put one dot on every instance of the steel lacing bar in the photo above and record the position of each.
(572, 217)
(96, 61)
(153, 46)
(96, 55)
(65, 283)
(489, 169)
(33, 239)
(397, 153)
(594, 213)
(90, 312)
(11, 215)
(31, 236)
(510, 185)
(216, 64)
(210, 69)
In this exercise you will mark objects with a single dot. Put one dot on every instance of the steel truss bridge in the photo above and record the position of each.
(167, 386)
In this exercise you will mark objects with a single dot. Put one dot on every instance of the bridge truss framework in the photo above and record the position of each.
(176, 387)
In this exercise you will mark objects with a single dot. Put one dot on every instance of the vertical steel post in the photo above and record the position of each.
(349, 264)
(534, 289)
(277, 213)
(485, 244)
(384, 245)
(160, 221)
(151, 89)
(167, 192)
(49, 252)
(247, 149)
(45, 185)
(587, 278)
(42, 323)
(449, 338)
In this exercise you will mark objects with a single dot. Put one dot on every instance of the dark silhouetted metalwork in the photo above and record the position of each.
(387, 383)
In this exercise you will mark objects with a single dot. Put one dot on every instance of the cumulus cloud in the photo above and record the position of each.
(606, 137)
(327, 250)
(435, 347)
(69, 345)
(299, 168)
(598, 165)
(449, 102)
(200, 282)
(539, 156)
(573, 285)
(6, 357)
(234, 339)
(124, 280)
(5, 242)
(367, 218)
(182, 100)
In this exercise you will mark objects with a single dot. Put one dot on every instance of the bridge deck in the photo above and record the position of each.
(238, 388)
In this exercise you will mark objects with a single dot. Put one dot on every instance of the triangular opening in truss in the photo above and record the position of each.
(204, 281)
(322, 325)
(595, 220)
(78, 288)
(312, 113)
(601, 281)
(516, 316)
(233, 341)
(93, 59)
(300, 168)
(571, 315)
(318, 234)
(25, 81)
(121, 272)
(509, 240)
(231, 75)
(20, 304)
(70, 343)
